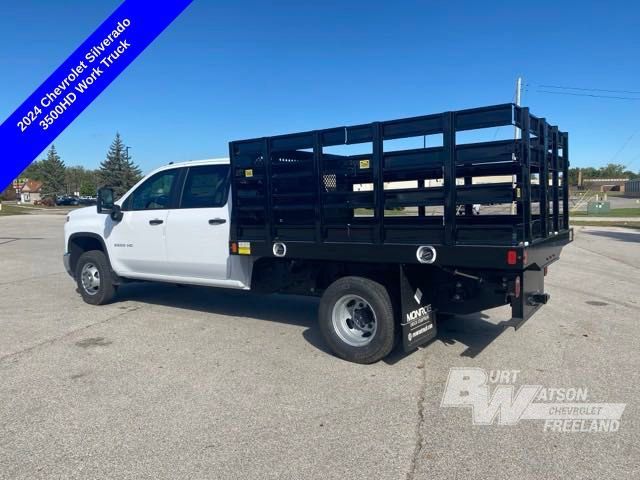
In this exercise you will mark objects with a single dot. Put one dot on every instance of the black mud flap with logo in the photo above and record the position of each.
(418, 318)
(532, 297)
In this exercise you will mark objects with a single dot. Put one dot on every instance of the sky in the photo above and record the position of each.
(231, 70)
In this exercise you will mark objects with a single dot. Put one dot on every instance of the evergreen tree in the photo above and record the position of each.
(111, 168)
(52, 173)
(90, 183)
(82, 180)
(132, 173)
(117, 171)
(33, 171)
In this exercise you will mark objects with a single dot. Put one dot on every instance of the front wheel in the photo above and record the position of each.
(356, 319)
(93, 277)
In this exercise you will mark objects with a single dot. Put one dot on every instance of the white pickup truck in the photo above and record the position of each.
(284, 214)
(173, 226)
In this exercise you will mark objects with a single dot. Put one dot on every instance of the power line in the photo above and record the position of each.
(624, 145)
(632, 161)
(588, 95)
(593, 95)
(589, 89)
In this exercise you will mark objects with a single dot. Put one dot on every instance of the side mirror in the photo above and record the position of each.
(105, 200)
(106, 204)
(116, 213)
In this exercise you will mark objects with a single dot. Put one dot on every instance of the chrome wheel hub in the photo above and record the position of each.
(90, 278)
(354, 321)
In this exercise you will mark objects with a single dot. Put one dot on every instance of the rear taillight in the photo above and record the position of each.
(512, 257)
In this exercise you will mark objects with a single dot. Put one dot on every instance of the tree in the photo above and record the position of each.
(82, 180)
(33, 171)
(90, 186)
(132, 173)
(117, 170)
(52, 171)
(612, 170)
(573, 176)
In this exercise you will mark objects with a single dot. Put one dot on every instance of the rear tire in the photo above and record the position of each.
(356, 319)
(94, 279)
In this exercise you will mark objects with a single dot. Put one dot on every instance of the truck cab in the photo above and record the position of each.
(173, 226)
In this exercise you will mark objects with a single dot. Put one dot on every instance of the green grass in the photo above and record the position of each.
(614, 212)
(12, 210)
(587, 223)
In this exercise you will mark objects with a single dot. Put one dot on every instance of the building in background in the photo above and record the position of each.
(31, 192)
(632, 188)
(13, 191)
(605, 184)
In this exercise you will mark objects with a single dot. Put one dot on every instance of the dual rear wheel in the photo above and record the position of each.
(356, 319)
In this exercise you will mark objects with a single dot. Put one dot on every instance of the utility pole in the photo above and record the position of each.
(518, 98)
(516, 136)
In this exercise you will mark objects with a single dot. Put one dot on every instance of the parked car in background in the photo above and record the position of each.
(86, 200)
(66, 200)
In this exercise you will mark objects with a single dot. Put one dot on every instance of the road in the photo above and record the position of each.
(181, 382)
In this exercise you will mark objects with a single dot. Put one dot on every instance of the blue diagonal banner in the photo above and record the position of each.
(80, 79)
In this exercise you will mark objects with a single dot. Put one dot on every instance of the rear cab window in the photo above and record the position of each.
(206, 187)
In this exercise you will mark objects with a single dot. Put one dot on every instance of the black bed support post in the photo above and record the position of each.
(449, 176)
(317, 168)
(422, 211)
(378, 180)
(544, 177)
(233, 227)
(526, 174)
(269, 217)
(554, 179)
(565, 180)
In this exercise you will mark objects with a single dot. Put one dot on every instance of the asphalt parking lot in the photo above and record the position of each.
(174, 382)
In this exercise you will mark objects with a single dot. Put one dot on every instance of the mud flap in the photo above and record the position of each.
(531, 298)
(418, 318)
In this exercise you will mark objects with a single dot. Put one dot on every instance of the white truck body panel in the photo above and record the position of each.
(178, 246)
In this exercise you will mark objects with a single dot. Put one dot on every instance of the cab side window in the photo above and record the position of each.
(206, 187)
(155, 193)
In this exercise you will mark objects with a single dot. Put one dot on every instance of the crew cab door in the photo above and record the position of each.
(198, 229)
(137, 243)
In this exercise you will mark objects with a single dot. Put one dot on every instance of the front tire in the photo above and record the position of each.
(356, 319)
(93, 277)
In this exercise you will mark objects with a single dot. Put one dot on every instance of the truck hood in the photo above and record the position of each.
(83, 213)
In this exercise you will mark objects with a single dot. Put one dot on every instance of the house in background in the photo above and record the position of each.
(31, 191)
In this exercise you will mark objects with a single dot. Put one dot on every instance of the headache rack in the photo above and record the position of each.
(313, 193)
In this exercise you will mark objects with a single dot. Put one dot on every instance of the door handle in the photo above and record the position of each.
(217, 221)
(155, 221)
